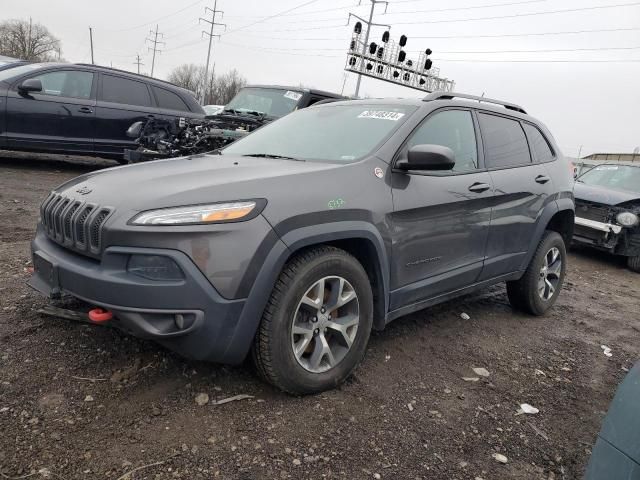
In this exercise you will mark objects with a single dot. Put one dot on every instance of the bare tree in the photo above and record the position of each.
(188, 76)
(218, 90)
(28, 41)
(226, 86)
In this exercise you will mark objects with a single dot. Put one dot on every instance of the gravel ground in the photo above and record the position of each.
(80, 401)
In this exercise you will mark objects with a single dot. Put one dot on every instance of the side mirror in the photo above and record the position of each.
(428, 157)
(134, 130)
(30, 85)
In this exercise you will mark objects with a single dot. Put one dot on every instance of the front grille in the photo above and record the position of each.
(591, 211)
(74, 224)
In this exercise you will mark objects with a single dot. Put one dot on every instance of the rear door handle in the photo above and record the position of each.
(542, 179)
(479, 187)
(85, 110)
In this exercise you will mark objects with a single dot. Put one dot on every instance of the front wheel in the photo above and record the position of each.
(539, 287)
(315, 328)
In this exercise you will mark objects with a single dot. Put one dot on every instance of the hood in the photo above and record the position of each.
(603, 195)
(621, 426)
(188, 181)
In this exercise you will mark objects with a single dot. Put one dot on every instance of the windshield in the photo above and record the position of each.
(272, 102)
(616, 177)
(17, 71)
(331, 133)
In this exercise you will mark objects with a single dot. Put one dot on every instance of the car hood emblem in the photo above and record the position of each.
(84, 190)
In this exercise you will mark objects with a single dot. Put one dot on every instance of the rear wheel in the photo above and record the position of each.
(539, 287)
(316, 326)
(634, 263)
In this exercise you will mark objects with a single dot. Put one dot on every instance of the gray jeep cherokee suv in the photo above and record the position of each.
(294, 242)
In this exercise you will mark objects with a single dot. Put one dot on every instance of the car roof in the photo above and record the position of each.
(300, 89)
(443, 102)
(127, 73)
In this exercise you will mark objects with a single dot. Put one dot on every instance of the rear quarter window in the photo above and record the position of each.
(540, 148)
(125, 91)
(505, 143)
(169, 100)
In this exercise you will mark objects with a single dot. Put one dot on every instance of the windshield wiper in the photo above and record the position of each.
(270, 155)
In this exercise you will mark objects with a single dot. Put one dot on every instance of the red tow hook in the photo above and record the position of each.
(99, 315)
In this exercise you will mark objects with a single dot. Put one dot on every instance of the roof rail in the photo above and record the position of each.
(452, 95)
(111, 69)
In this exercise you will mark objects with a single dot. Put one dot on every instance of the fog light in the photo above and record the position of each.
(154, 267)
(627, 219)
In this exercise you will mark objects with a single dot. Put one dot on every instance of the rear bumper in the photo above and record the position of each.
(187, 316)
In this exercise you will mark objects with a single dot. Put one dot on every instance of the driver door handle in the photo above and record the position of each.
(85, 110)
(479, 187)
(542, 179)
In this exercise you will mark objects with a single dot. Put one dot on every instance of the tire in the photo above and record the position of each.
(525, 294)
(634, 263)
(292, 304)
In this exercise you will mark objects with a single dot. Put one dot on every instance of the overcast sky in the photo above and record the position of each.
(586, 102)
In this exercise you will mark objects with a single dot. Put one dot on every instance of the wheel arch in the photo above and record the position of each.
(360, 239)
(557, 216)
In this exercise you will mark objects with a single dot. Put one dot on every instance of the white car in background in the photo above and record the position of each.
(211, 110)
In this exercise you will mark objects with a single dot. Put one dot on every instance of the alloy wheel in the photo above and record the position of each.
(550, 272)
(325, 324)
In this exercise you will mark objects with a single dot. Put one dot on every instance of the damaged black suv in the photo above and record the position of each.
(292, 243)
(608, 210)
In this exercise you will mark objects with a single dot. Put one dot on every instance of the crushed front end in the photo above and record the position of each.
(608, 227)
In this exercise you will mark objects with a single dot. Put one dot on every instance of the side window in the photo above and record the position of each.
(123, 90)
(541, 150)
(66, 83)
(169, 100)
(504, 141)
(453, 129)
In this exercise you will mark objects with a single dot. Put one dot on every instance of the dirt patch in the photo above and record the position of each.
(80, 401)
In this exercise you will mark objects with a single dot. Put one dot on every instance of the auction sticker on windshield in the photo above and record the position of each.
(381, 115)
(292, 95)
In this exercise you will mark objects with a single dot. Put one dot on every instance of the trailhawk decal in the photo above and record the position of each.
(381, 115)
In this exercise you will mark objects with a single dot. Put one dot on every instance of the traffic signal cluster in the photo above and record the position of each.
(388, 61)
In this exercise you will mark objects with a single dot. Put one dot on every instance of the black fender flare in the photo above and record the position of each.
(552, 208)
(282, 250)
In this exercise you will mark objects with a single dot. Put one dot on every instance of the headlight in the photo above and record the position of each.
(627, 219)
(197, 214)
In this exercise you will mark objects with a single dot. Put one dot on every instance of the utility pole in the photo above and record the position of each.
(91, 40)
(369, 24)
(138, 62)
(210, 34)
(28, 55)
(155, 48)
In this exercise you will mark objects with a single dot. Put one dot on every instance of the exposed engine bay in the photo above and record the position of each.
(158, 138)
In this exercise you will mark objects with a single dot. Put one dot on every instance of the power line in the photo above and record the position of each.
(518, 15)
(312, 12)
(274, 16)
(500, 35)
(475, 7)
(138, 62)
(127, 29)
(542, 50)
(210, 34)
(469, 60)
(155, 48)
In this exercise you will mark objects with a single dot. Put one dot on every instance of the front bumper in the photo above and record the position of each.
(607, 236)
(187, 316)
